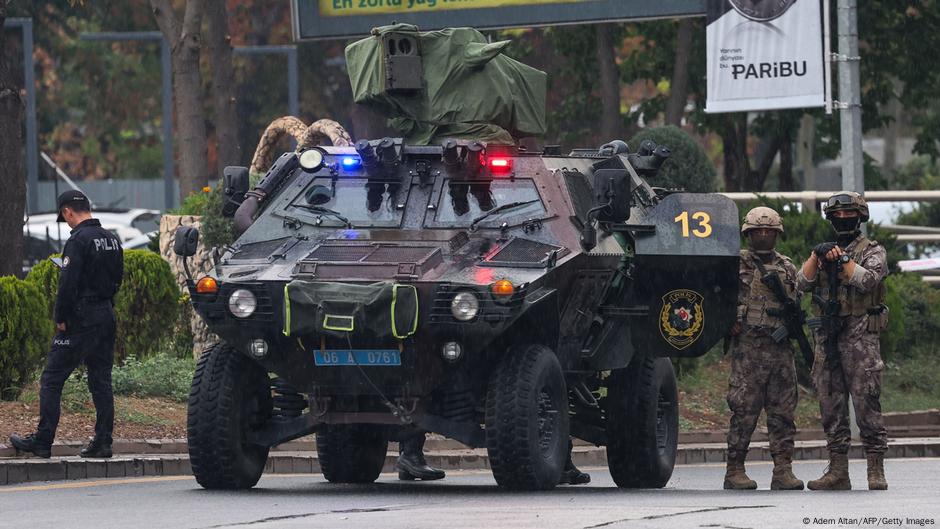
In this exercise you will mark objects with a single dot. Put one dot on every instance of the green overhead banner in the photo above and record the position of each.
(329, 19)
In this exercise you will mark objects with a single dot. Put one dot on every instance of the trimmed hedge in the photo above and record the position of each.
(25, 335)
(147, 306)
(688, 168)
(914, 320)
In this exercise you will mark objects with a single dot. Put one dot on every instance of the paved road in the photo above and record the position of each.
(470, 499)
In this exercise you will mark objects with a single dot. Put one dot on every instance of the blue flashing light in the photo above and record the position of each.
(350, 162)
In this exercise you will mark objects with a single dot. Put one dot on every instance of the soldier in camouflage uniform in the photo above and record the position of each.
(862, 316)
(763, 375)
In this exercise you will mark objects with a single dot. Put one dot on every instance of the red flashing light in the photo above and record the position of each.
(500, 165)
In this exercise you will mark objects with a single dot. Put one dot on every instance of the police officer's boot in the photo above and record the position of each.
(98, 449)
(876, 472)
(572, 475)
(836, 476)
(32, 445)
(411, 464)
(735, 476)
(783, 474)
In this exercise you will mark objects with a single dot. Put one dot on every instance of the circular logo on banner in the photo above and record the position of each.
(762, 10)
(682, 317)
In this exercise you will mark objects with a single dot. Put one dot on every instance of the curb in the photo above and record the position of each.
(307, 444)
(14, 471)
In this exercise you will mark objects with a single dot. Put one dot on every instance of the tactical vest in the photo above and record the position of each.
(851, 301)
(762, 309)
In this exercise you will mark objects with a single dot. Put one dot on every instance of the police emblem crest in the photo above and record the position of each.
(682, 318)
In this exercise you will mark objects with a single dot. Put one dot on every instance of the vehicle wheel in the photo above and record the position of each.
(351, 453)
(527, 419)
(642, 423)
(230, 396)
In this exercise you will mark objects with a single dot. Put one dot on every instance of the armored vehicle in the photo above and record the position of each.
(505, 298)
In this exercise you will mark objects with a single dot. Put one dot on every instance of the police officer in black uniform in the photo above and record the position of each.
(92, 267)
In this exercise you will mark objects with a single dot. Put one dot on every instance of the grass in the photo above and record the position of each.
(912, 384)
(909, 385)
(161, 376)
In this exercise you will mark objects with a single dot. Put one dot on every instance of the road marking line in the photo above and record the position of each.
(96, 483)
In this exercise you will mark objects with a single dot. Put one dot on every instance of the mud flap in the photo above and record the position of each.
(687, 273)
(378, 309)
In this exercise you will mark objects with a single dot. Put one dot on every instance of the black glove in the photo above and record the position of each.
(822, 249)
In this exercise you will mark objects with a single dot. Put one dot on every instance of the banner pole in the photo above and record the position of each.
(827, 53)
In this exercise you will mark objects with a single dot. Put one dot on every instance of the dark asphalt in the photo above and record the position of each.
(470, 499)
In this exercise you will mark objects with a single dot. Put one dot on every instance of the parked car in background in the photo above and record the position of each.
(44, 236)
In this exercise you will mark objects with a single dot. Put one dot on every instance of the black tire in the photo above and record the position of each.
(351, 453)
(230, 396)
(527, 419)
(642, 423)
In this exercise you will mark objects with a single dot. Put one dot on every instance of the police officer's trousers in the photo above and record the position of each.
(93, 346)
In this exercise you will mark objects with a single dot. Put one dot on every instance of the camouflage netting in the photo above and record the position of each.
(470, 89)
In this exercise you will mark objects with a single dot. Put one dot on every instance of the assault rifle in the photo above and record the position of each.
(830, 322)
(791, 314)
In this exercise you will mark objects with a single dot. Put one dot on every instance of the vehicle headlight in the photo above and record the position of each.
(242, 303)
(465, 306)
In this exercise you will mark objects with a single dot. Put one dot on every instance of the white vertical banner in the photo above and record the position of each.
(764, 55)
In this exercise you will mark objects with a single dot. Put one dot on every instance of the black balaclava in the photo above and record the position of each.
(847, 228)
(762, 245)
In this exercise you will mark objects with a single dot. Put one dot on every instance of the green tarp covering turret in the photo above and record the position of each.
(450, 83)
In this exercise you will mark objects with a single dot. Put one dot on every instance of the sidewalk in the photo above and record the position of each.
(168, 458)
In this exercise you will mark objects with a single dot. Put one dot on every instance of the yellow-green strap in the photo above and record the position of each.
(414, 327)
(348, 327)
(286, 310)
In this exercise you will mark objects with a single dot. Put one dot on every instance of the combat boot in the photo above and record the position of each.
(411, 464)
(735, 477)
(783, 474)
(836, 476)
(97, 449)
(32, 445)
(876, 472)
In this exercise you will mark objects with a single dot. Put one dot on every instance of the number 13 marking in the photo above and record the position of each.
(703, 230)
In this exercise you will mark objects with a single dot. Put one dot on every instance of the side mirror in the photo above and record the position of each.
(234, 187)
(185, 241)
(613, 195)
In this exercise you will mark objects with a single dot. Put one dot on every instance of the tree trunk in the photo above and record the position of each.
(187, 90)
(786, 165)
(611, 123)
(679, 87)
(12, 177)
(767, 151)
(734, 138)
(223, 85)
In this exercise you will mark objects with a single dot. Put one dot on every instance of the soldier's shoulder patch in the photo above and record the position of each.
(65, 261)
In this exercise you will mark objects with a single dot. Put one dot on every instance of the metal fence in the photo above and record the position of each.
(141, 193)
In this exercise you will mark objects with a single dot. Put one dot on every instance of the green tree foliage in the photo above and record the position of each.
(146, 307)
(688, 168)
(25, 334)
(803, 230)
(914, 320)
(215, 230)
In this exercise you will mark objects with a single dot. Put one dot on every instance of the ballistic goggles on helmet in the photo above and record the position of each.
(846, 202)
